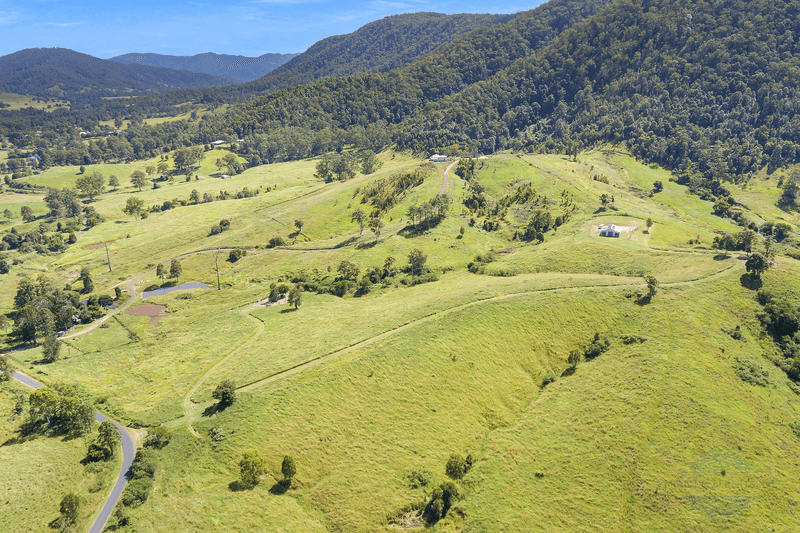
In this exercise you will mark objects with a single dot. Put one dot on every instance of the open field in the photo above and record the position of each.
(363, 390)
(19, 101)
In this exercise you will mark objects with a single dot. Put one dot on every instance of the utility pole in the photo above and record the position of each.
(109, 259)
(216, 262)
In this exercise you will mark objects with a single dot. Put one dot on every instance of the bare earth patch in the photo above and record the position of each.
(408, 520)
(98, 245)
(151, 310)
(265, 302)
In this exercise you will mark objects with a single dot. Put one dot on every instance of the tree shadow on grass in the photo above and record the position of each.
(750, 282)
(643, 299)
(279, 488)
(346, 242)
(213, 409)
(721, 257)
(58, 524)
(365, 245)
(239, 486)
(288, 310)
(570, 370)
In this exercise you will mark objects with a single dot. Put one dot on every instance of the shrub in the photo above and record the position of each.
(215, 230)
(276, 241)
(419, 478)
(456, 467)
(598, 346)
(157, 437)
(137, 491)
(236, 254)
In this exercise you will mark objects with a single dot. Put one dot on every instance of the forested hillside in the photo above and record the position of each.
(379, 46)
(61, 72)
(239, 68)
(696, 86)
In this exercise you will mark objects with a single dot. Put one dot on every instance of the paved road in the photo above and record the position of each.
(128, 452)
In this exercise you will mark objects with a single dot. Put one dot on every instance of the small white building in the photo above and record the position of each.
(225, 176)
(438, 158)
(217, 143)
(609, 230)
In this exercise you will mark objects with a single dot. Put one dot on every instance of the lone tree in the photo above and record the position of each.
(138, 179)
(652, 285)
(295, 295)
(756, 264)
(225, 392)
(91, 185)
(70, 508)
(51, 348)
(574, 358)
(5, 369)
(86, 279)
(288, 470)
(417, 260)
(133, 206)
(108, 436)
(299, 225)
(375, 225)
(658, 186)
(163, 167)
(251, 467)
(175, 269)
(360, 218)
(456, 467)
(26, 213)
(113, 181)
(649, 224)
(161, 271)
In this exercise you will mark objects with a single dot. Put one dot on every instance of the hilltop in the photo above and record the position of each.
(236, 67)
(63, 73)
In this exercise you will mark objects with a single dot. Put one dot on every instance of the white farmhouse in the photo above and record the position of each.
(437, 158)
(609, 230)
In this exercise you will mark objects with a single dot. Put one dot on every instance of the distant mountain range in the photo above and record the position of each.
(60, 72)
(238, 68)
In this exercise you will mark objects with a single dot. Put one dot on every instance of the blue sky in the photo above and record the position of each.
(105, 28)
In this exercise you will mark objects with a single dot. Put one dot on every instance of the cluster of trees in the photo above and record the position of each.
(41, 309)
(140, 482)
(595, 348)
(102, 449)
(343, 166)
(348, 278)
(780, 317)
(174, 271)
(224, 225)
(253, 465)
(385, 193)
(42, 239)
(59, 410)
(429, 214)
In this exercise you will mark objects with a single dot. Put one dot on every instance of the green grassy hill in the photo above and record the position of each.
(676, 426)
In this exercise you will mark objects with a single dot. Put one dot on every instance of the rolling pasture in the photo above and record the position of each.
(371, 390)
